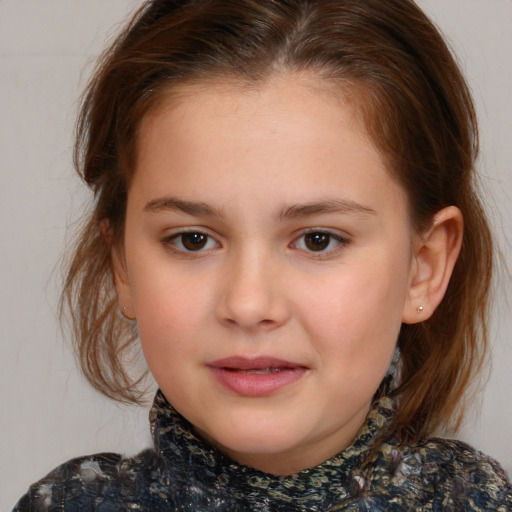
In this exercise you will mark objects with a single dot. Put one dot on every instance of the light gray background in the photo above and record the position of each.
(47, 412)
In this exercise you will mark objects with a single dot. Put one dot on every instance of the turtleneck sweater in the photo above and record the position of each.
(185, 473)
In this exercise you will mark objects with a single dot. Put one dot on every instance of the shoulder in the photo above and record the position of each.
(434, 475)
(102, 481)
(461, 458)
(460, 477)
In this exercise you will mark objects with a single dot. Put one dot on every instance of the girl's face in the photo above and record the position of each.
(268, 259)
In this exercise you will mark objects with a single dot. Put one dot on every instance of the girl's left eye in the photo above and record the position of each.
(319, 242)
(193, 241)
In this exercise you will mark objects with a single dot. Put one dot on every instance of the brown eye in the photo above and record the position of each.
(320, 242)
(190, 242)
(193, 241)
(317, 241)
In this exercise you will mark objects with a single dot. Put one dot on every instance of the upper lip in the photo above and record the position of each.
(257, 363)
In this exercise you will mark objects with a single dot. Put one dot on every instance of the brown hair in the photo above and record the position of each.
(415, 105)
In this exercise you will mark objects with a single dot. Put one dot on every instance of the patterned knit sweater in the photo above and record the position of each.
(184, 473)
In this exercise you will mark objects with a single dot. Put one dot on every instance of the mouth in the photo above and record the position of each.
(257, 377)
(262, 371)
(254, 365)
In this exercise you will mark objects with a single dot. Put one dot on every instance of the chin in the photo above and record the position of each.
(257, 440)
(262, 444)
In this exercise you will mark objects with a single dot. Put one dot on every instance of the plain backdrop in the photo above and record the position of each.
(48, 414)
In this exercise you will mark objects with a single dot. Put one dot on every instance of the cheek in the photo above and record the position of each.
(168, 333)
(358, 316)
(170, 308)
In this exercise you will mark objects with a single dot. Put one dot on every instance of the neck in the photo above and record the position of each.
(293, 460)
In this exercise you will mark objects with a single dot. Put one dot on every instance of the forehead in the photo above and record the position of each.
(291, 130)
(265, 96)
(275, 98)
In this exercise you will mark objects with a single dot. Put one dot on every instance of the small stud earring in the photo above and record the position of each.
(419, 309)
(124, 313)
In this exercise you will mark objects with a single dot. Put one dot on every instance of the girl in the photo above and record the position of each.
(285, 217)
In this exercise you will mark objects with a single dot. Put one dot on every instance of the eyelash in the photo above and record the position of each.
(341, 243)
(178, 238)
(171, 242)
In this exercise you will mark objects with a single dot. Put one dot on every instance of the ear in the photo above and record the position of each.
(435, 255)
(122, 284)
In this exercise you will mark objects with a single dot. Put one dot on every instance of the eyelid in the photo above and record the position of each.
(342, 238)
(167, 240)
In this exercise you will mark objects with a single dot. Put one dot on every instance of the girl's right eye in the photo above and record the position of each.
(192, 241)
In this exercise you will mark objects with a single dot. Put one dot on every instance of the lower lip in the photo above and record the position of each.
(250, 384)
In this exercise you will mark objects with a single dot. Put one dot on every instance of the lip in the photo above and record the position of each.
(256, 377)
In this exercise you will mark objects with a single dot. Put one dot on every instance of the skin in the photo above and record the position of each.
(258, 287)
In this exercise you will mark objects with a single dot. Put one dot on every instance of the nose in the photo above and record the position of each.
(254, 293)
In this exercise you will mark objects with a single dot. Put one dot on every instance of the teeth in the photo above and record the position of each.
(261, 371)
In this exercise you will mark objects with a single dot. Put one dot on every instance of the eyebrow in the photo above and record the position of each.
(295, 211)
(177, 205)
(324, 207)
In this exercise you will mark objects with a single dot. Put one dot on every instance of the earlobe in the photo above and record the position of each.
(435, 255)
(119, 269)
(122, 284)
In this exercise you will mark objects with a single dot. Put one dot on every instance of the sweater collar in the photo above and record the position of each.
(192, 460)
